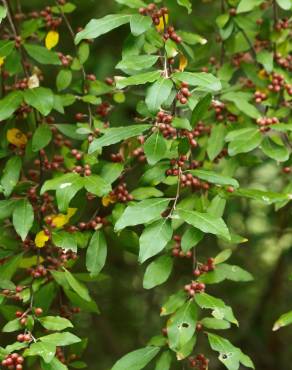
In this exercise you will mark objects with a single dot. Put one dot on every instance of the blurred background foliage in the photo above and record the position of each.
(129, 314)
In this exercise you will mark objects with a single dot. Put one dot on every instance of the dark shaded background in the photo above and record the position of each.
(129, 314)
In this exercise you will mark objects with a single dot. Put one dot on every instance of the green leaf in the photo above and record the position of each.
(64, 240)
(55, 323)
(266, 59)
(6, 208)
(155, 148)
(187, 4)
(200, 79)
(79, 288)
(173, 303)
(205, 222)
(60, 339)
(154, 238)
(182, 123)
(3, 13)
(111, 171)
(139, 79)
(96, 185)
(42, 54)
(139, 213)
(23, 217)
(200, 109)
(55, 364)
(243, 140)
(96, 253)
(115, 135)
(267, 197)
(271, 149)
(64, 79)
(216, 324)
(98, 27)
(70, 131)
(136, 4)
(229, 355)
(158, 93)
(137, 63)
(138, 194)
(140, 24)
(223, 256)
(164, 361)
(216, 141)
(191, 238)
(83, 52)
(215, 178)
(182, 325)
(240, 100)
(136, 360)
(40, 98)
(9, 104)
(11, 175)
(12, 326)
(248, 5)
(224, 271)
(284, 320)
(284, 4)
(41, 137)
(205, 300)
(157, 272)
(6, 47)
(45, 350)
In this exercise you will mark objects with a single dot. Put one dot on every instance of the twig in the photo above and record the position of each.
(70, 29)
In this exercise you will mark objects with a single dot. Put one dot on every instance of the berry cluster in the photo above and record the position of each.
(66, 60)
(24, 338)
(277, 83)
(171, 34)
(82, 170)
(121, 194)
(139, 154)
(38, 271)
(284, 62)
(182, 163)
(177, 251)
(11, 294)
(194, 287)
(203, 268)
(264, 122)
(163, 120)
(103, 109)
(259, 97)
(47, 164)
(116, 158)
(51, 21)
(200, 362)
(68, 312)
(97, 222)
(155, 13)
(13, 361)
(220, 110)
(183, 93)
(282, 24)
(189, 180)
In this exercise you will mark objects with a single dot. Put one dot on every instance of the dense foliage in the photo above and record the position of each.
(149, 167)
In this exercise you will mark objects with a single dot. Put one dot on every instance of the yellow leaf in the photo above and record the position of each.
(59, 220)
(2, 61)
(107, 200)
(52, 39)
(41, 239)
(262, 74)
(16, 137)
(160, 26)
(71, 212)
(183, 62)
